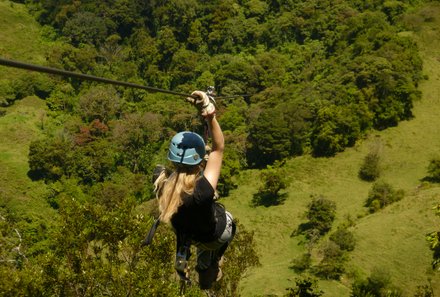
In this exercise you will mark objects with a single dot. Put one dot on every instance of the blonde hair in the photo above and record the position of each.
(171, 190)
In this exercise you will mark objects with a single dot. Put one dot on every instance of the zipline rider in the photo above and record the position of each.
(187, 197)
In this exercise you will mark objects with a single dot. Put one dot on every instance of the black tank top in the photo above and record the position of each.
(200, 216)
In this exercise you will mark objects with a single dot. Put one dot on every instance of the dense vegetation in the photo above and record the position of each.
(320, 74)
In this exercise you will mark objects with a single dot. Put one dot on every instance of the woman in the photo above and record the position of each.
(186, 197)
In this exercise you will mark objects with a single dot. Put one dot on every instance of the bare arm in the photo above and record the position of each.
(214, 163)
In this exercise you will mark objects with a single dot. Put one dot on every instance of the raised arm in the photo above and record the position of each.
(214, 163)
(207, 110)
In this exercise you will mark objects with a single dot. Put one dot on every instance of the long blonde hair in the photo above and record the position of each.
(171, 190)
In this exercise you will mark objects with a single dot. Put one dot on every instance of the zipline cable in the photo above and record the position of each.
(38, 68)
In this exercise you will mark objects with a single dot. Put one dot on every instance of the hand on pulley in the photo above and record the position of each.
(203, 103)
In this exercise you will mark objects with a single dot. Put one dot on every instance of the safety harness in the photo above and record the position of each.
(183, 253)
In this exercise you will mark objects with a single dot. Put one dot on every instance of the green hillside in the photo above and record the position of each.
(393, 238)
(20, 38)
(390, 240)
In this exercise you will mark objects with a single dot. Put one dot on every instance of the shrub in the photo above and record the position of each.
(381, 195)
(332, 266)
(241, 255)
(344, 239)
(321, 214)
(425, 291)
(370, 170)
(304, 287)
(433, 239)
(378, 284)
(273, 181)
(50, 159)
(302, 263)
(434, 170)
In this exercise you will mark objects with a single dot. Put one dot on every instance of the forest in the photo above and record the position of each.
(314, 77)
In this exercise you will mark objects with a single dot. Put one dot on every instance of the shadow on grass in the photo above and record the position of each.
(303, 229)
(35, 175)
(430, 179)
(268, 199)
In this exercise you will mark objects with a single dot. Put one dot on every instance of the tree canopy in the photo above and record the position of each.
(319, 74)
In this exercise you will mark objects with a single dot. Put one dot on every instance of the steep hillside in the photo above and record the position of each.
(20, 123)
(392, 239)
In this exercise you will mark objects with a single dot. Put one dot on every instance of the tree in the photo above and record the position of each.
(241, 255)
(184, 66)
(269, 137)
(321, 213)
(335, 128)
(433, 239)
(304, 287)
(344, 239)
(167, 46)
(273, 181)
(50, 159)
(85, 27)
(370, 170)
(101, 103)
(381, 195)
(378, 284)
(332, 264)
(98, 241)
(138, 137)
(434, 170)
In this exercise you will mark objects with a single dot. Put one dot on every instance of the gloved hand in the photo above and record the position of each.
(202, 103)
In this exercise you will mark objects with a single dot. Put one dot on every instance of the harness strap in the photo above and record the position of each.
(149, 238)
(183, 253)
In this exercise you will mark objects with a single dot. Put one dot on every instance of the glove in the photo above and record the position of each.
(202, 102)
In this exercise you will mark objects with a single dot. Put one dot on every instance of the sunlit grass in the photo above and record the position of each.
(392, 239)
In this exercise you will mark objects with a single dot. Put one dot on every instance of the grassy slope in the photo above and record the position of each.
(392, 239)
(19, 36)
(19, 39)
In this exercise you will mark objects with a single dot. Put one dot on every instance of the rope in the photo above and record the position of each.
(38, 68)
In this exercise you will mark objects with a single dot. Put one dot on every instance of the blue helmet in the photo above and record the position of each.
(186, 148)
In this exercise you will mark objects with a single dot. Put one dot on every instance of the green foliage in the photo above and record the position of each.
(304, 287)
(434, 170)
(344, 239)
(425, 291)
(240, 256)
(370, 169)
(50, 159)
(381, 195)
(302, 263)
(332, 265)
(85, 27)
(230, 167)
(433, 239)
(321, 74)
(62, 98)
(273, 181)
(270, 138)
(321, 214)
(335, 128)
(102, 103)
(27, 84)
(137, 138)
(378, 284)
(98, 241)
(341, 68)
